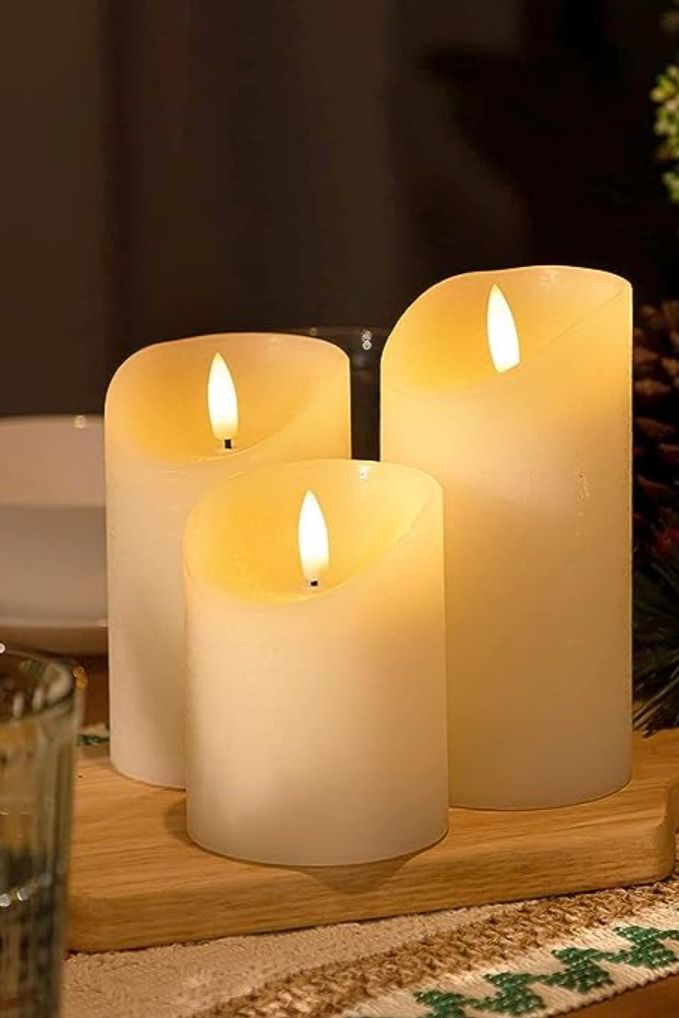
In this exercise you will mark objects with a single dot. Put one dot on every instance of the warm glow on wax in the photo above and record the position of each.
(312, 537)
(316, 718)
(503, 340)
(222, 401)
(171, 420)
(529, 438)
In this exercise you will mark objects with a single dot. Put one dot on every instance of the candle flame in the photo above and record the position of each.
(503, 339)
(222, 402)
(312, 538)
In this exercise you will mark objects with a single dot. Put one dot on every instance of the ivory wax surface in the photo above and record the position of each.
(534, 463)
(316, 727)
(161, 455)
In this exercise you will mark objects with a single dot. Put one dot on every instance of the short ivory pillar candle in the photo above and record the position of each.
(271, 398)
(316, 664)
(513, 389)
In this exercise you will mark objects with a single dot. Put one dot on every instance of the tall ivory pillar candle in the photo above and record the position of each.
(316, 664)
(179, 416)
(513, 389)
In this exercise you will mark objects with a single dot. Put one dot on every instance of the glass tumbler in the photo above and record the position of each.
(40, 701)
(364, 345)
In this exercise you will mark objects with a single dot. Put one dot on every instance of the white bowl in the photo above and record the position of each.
(52, 534)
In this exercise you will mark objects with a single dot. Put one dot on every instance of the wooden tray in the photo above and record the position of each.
(137, 880)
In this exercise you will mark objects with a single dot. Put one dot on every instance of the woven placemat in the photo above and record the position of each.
(540, 958)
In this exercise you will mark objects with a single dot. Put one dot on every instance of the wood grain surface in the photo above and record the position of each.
(660, 1000)
(137, 880)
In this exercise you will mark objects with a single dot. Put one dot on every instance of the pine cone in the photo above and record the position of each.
(656, 416)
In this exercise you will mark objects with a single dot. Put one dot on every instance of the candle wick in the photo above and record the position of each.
(313, 583)
(228, 443)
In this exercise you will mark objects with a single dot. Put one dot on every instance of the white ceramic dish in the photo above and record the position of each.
(52, 534)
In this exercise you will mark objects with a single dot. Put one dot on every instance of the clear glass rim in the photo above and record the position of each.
(34, 684)
(341, 331)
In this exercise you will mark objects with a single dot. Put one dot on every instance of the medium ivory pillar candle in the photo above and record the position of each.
(316, 664)
(177, 418)
(513, 389)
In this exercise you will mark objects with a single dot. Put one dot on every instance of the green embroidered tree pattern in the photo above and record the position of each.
(581, 973)
(443, 1005)
(515, 998)
(648, 950)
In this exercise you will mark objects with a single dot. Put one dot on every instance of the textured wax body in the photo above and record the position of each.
(316, 729)
(535, 467)
(161, 456)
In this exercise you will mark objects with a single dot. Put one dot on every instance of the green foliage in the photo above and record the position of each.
(666, 96)
(656, 637)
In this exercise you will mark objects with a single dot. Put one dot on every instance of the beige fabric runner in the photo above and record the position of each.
(389, 967)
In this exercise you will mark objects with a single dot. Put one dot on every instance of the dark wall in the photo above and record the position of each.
(54, 221)
(177, 166)
(565, 122)
(258, 185)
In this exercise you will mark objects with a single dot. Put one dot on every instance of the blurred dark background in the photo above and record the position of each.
(172, 167)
